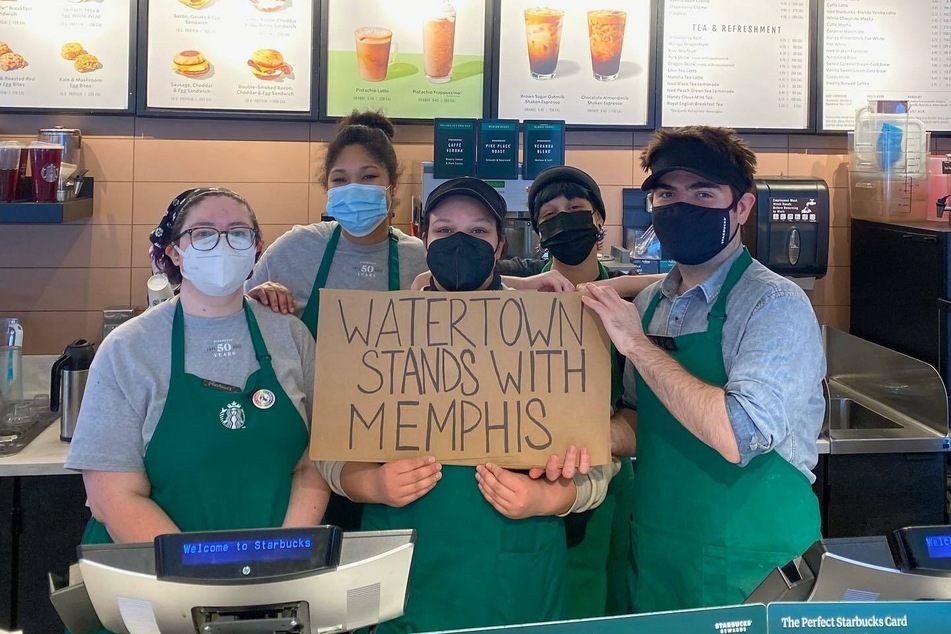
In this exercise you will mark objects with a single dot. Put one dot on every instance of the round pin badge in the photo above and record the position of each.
(263, 399)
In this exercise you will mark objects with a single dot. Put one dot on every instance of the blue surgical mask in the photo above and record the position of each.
(358, 208)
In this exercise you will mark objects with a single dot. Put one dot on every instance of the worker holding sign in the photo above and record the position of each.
(490, 544)
(726, 365)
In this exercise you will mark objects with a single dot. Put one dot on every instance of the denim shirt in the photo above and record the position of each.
(772, 352)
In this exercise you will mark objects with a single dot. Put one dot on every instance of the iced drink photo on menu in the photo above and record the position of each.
(373, 52)
(543, 33)
(606, 38)
(439, 37)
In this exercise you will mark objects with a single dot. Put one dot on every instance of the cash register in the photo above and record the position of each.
(913, 564)
(287, 580)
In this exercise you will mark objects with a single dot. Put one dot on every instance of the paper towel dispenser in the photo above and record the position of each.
(788, 229)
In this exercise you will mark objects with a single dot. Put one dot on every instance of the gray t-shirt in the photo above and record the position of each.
(293, 260)
(129, 378)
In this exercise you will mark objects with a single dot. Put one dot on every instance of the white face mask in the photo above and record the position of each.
(218, 272)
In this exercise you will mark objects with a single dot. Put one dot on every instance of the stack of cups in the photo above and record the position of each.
(45, 161)
(10, 153)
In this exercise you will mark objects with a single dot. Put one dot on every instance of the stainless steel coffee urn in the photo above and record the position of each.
(68, 382)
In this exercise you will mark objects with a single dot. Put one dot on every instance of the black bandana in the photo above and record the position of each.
(161, 236)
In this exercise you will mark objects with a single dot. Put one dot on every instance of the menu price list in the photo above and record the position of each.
(738, 63)
(586, 62)
(881, 49)
(250, 55)
(65, 54)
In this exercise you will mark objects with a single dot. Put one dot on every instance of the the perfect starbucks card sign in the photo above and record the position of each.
(417, 59)
(506, 377)
(867, 617)
(583, 61)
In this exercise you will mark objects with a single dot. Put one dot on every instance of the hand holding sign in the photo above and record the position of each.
(620, 317)
(517, 496)
(556, 469)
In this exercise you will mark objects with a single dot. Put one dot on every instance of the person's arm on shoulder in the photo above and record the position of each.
(549, 281)
(699, 406)
(120, 500)
(628, 286)
(779, 367)
(309, 495)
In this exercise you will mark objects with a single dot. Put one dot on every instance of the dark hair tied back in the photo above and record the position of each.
(373, 132)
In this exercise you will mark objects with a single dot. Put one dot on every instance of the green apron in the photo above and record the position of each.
(205, 439)
(341, 511)
(599, 541)
(472, 566)
(313, 303)
(706, 531)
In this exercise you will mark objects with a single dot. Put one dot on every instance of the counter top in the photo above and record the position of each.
(44, 456)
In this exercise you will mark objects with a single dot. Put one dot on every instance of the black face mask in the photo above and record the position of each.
(692, 234)
(569, 236)
(460, 262)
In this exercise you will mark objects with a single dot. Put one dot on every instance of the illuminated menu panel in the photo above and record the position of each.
(886, 50)
(581, 61)
(65, 54)
(738, 63)
(416, 59)
(253, 55)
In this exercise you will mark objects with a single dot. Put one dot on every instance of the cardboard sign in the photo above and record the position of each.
(503, 377)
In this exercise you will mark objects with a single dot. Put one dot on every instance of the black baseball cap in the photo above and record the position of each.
(470, 188)
(693, 155)
(560, 174)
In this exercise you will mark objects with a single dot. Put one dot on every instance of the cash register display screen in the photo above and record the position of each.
(939, 546)
(202, 553)
(235, 556)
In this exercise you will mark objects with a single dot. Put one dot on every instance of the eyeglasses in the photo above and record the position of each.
(207, 238)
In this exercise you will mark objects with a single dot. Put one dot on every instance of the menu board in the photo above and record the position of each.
(249, 55)
(416, 59)
(65, 54)
(581, 61)
(885, 50)
(738, 63)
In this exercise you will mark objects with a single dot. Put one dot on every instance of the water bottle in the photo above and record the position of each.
(11, 381)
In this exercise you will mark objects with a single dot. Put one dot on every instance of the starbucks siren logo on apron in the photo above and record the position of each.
(232, 416)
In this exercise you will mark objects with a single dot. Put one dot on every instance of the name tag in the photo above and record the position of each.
(222, 387)
(663, 342)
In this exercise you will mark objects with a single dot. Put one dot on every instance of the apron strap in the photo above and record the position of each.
(313, 304)
(717, 315)
(257, 339)
(178, 341)
(393, 261)
(312, 310)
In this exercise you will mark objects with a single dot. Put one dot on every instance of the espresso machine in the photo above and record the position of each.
(520, 240)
